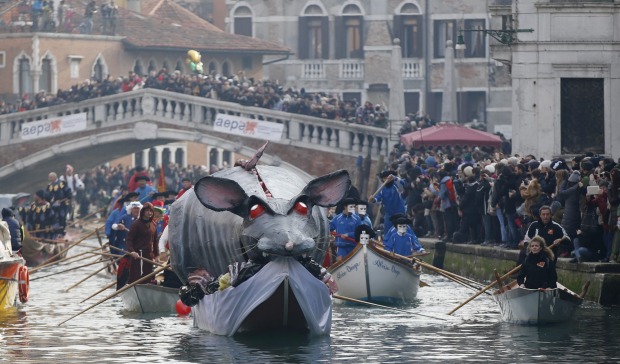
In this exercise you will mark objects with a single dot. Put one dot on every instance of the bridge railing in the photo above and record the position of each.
(199, 112)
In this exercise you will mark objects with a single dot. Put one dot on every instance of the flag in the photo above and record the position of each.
(161, 182)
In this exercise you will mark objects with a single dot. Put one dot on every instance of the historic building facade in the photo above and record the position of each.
(565, 76)
(344, 47)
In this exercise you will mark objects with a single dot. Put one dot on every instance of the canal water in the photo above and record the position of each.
(105, 334)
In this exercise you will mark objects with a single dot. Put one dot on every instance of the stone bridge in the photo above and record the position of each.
(126, 123)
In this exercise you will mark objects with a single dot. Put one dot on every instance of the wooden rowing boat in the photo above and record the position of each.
(282, 295)
(370, 273)
(150, 298)
(533, 306)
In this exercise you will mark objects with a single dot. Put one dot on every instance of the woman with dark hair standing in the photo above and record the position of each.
(538, 270)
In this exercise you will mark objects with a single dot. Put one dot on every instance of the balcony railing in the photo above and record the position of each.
(351, 69)
(412, 69)
(313, 70)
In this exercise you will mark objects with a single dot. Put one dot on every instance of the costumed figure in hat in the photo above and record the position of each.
(145, 190)
(390, 197)
(59, 195)
(362, 212)
(41, 221)
(402, 242)
(343, 226)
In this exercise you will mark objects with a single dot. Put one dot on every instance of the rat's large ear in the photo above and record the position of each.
(328, 190)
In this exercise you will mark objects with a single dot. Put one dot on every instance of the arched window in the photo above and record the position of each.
(179, 66)
(226, 69)
(408, 28)
(212, 68)
(25, 78)
(242, 21)
(179, 156)
(99, 73)
(45, 81)
(138, 68)
(152, 67)
(313, 33)
(350, 33)
(166, 65)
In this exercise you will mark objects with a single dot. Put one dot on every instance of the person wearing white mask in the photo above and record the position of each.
(343, 228)
(362, 212)
(403, 242)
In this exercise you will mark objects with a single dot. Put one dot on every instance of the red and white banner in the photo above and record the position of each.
(259, 129)
(54, 126)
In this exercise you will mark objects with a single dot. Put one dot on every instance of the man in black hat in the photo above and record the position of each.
(343, 228)
(390, 196)
(40, 219)
(362, 212)
(144, 190)
(403, 242)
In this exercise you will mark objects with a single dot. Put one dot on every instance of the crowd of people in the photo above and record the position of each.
(238, 88)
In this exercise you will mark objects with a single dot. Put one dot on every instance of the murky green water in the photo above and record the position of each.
(30, 334)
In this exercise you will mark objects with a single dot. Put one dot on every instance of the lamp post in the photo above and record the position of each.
(504, 36)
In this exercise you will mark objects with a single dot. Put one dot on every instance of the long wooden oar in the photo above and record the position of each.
(146, 277)
(70, 269)
(57, 241)
(70, 259)
(92, 274)
(99, 291)
(144, 259)
(85, 217)
(485, 289)
(382, 306)
(70, 246)
(496, 281)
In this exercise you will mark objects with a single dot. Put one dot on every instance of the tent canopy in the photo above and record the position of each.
(450, 134)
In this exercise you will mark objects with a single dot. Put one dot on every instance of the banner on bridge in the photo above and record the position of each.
(54, 126)
(252, 128)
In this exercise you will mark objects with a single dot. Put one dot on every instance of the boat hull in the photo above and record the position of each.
(283, 295)
(532, 307)
(9, 285)
(149, 298)
(371, 274)
(35, 253)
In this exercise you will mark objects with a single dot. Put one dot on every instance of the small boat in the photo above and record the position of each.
(150, 298)
(533, 306)
(282, 295)
(14, 279)
(36, 252)
(371, 273)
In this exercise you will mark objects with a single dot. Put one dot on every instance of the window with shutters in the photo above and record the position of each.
(475, 40)
(25, 78)
(444, 30)
(242, 21)
(313, 34)
(408, 28)
(350, 33)
(45, 81)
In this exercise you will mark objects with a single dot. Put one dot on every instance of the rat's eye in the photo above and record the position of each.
(256, 211)
(301, 208)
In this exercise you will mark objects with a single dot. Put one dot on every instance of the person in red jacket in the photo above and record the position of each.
(187, 184)
(142, 242)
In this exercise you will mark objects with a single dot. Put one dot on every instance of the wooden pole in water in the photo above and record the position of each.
(382, 306)
(99, 291)
(91, 275)
(146, 277)
(68, 270)
(144, 259)
(63, 260)
(485, 289)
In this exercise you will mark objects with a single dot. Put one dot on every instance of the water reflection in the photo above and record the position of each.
(30, 334)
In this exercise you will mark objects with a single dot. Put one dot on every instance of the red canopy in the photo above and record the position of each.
(450, 134)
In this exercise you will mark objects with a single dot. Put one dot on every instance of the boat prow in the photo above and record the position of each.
(370, 273)
(149, 298)
(282, 295)
(532, 306)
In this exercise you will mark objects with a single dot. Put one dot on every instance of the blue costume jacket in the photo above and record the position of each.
(392, 201)
(345, 225)
(403, 245)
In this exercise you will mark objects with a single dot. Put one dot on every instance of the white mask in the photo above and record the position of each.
(364, 238)
(351, 209)
(361, 210)
(402, 229)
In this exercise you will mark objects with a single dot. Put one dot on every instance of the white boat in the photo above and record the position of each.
(282, 295)
(150, 298)
(533, 306)
(370, 273)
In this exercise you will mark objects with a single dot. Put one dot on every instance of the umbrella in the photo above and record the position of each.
(450, 134)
